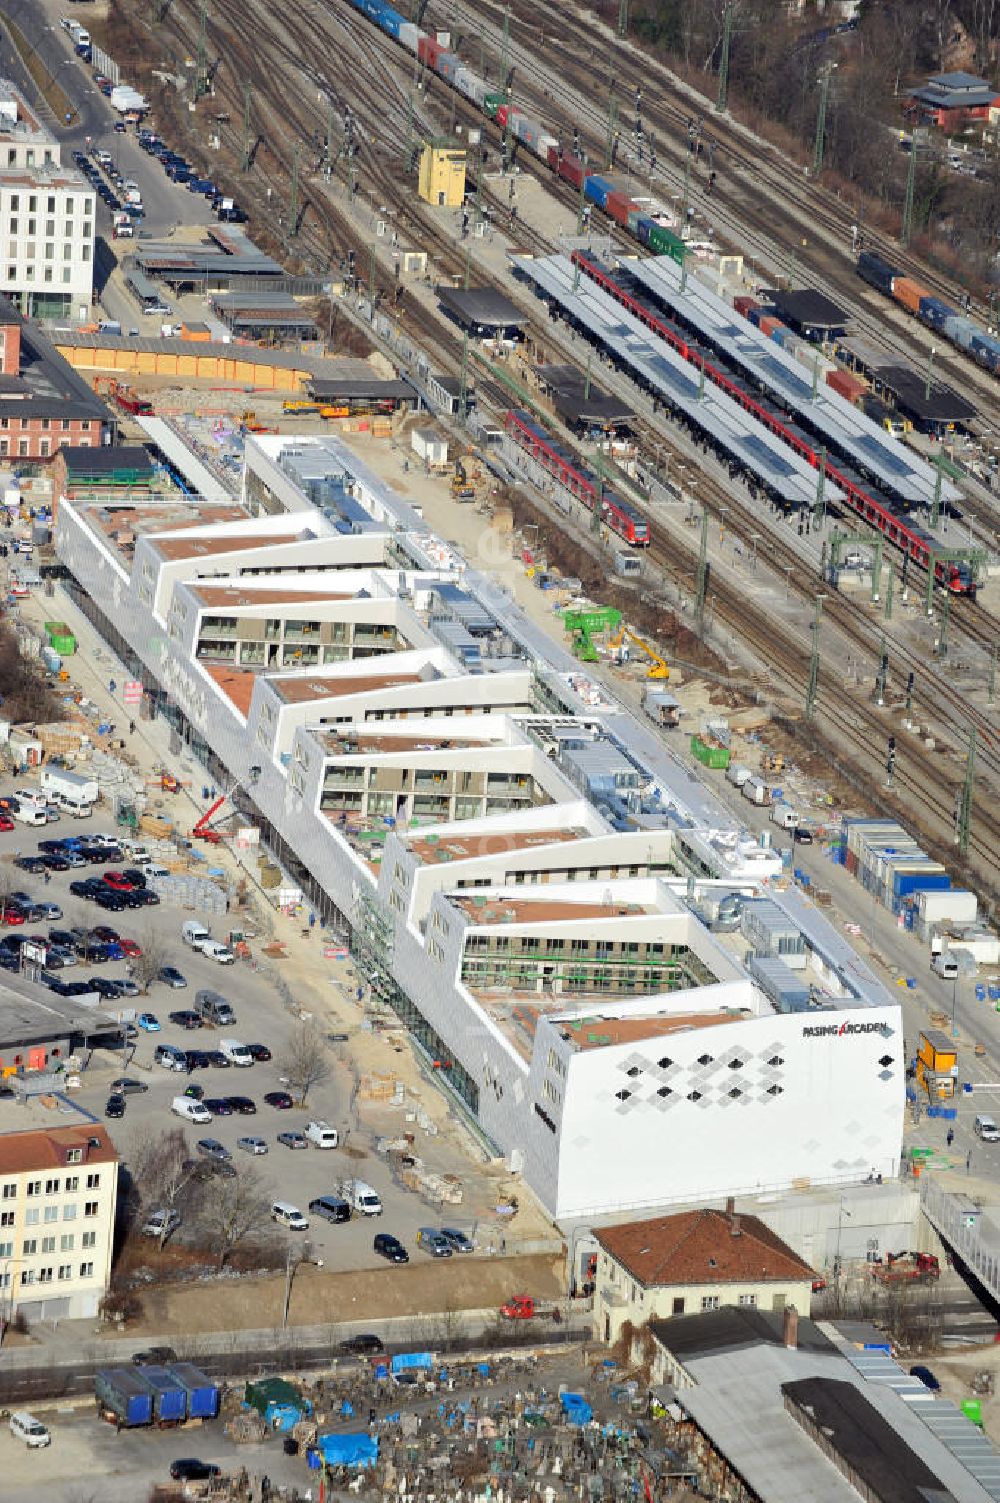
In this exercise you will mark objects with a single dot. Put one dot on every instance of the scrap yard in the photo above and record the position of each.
(499, 755)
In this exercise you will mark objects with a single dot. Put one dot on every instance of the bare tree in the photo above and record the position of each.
(304, 1063)
(235, 1207)
(163, 1172)
(147, 966)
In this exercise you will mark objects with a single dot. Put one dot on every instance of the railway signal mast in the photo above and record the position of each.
(727, 34)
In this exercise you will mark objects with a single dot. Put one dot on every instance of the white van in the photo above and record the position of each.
(737, 774)
(322, 1135)
(190, 1110)
(28, 1429)
(213, 949)
(235, 1052)
(287, 1215)
(984, 1127)
(784, 816)
(31, 798)
(361, 1197)
(945, 966)
(28, 814)
(194, 933)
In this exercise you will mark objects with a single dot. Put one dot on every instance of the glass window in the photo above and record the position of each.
(65, 1270)
(93, 1181)
(31, 1216)
(89, 1239)
(9, 1192)
(51, 1185)
(48, 1244)
(67, 1242)
(86, 1270)
(51, 1214)
(73, 1181)
(29, 1247)
(34, 1187)
(90, 1208)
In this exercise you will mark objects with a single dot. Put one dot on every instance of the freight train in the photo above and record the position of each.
(875, 508)
(930, 310)
(525, 132)
(617, 514)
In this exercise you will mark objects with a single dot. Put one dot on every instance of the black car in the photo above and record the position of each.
(366, 1342)
(115, 1105)
(81, 888)
(185, 1019)
(391, 1248)
(261, 1053)
(110, 902)
(145, 898)
(190, 1469)
(196, 1059)
(155, 1356)
(135, 876)
(244, 1106)
(218, 1060)
(802, 836)
(134, 899)
(33, 864)
(54, 862)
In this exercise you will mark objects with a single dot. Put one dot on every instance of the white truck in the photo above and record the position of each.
(238, 1054)
(756, 790)
(737, 774)
(322, 1135)
(125, 99)
(58, 783)
(361, 1197)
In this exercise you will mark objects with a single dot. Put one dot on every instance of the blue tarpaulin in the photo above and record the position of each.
(357, 1449)
(408, 1361)
(576, 1409)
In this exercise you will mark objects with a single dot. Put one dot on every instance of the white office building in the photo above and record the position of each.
(601, 968)
(47, 216)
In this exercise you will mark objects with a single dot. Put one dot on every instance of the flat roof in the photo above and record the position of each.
(808, 307)
(346, 744)
(843, 426)
(174, 549)
(222, 597)
(944, 405)
(711, 410)
(296, 691)
(183, 458)
(484, 306)
(101, 460)
(598, 1032)
(483, 910)
(431, 850)
(31, 1014)
(362, 386)
(235, 683)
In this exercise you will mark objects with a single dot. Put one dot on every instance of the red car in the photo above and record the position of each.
(11, 914)
(131, 948)
(6, 823)
(118, 881)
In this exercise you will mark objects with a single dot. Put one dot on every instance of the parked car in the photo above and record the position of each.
(457, 1240)
(149, 1022)
(255, 1146)
(114, 1107)
(171, 976)
(211, 1148)
(129, 1086)
(390, 1248)
(218, 1106)
(190, 1469)
(280, 1100)
(195, 1092)
(365, 1344)
(161, 1223)
(432, 1241)
(261, 1054)
(154, 1356)
(244, 1106)
(293, 1140)
(185, 1018)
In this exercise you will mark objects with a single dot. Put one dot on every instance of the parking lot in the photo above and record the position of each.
(296, 1175)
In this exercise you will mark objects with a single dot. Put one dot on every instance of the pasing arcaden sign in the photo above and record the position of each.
(837, 1030)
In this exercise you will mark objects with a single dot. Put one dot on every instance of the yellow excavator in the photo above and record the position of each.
(657, 665)
(461, 488)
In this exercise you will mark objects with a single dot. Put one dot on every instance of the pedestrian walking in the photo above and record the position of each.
(131, 727)
(950, 1136)
(968, 1161)
(46, 876)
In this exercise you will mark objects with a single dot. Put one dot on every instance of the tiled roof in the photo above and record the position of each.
(701, 1247)
(45, 1148)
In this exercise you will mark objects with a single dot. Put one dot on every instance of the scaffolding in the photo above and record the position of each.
(372, 941)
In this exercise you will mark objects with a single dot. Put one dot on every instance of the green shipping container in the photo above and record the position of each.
(492, 103)
(710, 756)
(664, 243)
(61, 638)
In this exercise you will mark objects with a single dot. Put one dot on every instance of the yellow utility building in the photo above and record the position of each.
(442, 173)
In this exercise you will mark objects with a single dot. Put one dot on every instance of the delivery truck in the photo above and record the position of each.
(123, 1399)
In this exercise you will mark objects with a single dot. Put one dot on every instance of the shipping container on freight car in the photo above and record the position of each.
(493, 102)
(202, 1392)
(409, 35)
(934, 312)
(503, 114)
(848, 386)
(743, 303)
(471, 85)
(448, 64)
(876, 271)
(597, 189)
(960, 330)
(778, 333)
(121, 1393)
(428, 51)
(168, 1392)
(665, 243)
(768, 324)
(985, 347)
(908, 292)
(634, 215)
(644, 227)
(618, 206)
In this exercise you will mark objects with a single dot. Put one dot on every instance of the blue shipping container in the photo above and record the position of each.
(642, 229)
(203, 1394)
(597, 190)
(934, 312)
(960, 329)
(169, 1394)
(122, 1391)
